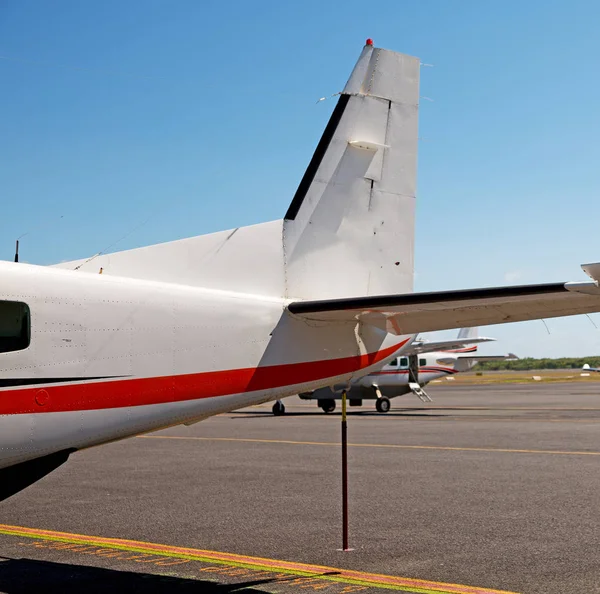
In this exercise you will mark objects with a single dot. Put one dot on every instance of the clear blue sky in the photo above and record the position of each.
(162, 119)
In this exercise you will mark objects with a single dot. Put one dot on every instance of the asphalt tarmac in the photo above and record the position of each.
(487, 488)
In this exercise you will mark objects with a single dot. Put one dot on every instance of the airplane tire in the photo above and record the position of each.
(278, 409)
(327, 405)
(383, 404)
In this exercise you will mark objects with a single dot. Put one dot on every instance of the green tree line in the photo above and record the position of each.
(531, 363)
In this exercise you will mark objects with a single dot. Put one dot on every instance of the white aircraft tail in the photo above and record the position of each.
(349, 230)
(466, 334)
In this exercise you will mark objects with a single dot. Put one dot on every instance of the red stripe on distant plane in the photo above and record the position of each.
(431, 368)
(178, 388)
(421, 370)
(465, 350)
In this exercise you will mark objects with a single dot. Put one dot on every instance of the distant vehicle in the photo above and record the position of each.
(586, 367)
(409, 373)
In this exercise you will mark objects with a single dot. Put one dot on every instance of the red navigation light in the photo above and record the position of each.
(369, 41)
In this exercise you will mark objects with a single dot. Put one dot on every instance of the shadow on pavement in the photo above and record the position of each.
(25, 576)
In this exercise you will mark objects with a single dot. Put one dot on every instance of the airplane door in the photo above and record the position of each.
(413, 369)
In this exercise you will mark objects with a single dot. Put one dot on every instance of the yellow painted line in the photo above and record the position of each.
(417, 416)
(332, 574)
(376, 445)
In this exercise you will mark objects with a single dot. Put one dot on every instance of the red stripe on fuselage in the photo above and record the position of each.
(177, 388)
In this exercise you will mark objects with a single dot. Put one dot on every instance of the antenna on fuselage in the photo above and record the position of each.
(43, 226)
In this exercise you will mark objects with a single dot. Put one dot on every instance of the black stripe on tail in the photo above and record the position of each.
(317, 157)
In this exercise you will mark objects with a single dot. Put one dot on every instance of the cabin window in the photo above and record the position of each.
(393, 362)
(403, 361)
(15, 326)
(422, 362)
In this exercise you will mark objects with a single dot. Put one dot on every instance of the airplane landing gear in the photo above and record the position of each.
(383, 404)
(278, 408)
(327, 405)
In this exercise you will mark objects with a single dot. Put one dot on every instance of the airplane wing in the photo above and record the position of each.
(479, 358)
(420, 346)
(413, 313)
(483, 358)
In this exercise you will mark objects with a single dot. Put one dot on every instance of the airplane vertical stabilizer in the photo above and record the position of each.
(468, 332)
(349, 230)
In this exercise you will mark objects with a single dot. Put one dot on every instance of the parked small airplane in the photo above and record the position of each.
(173, 333)
(407, 374)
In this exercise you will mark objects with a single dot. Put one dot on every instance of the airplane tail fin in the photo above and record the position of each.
(467, 333)
(349, 230)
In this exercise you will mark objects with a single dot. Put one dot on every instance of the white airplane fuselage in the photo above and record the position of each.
(111, 357)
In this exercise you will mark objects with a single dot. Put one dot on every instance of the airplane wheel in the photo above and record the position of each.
(383, 404)
(328, 405)
(278, 408)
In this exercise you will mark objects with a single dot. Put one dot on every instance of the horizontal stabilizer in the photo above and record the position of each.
(483, 358)
(423, 312)
(443, 345)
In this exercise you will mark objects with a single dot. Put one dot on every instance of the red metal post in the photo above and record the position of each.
(344, 474)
